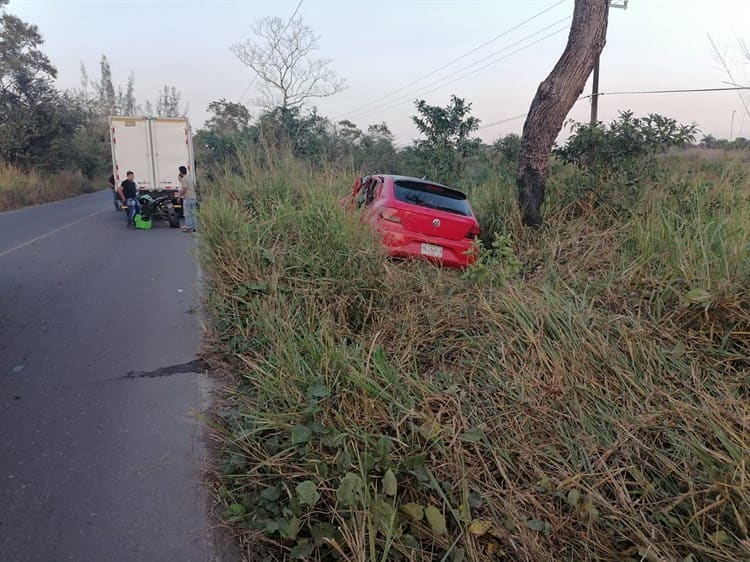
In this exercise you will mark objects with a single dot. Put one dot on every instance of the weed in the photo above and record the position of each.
(589, 403)
(20, 189)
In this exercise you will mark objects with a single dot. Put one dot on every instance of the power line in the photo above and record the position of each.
(680, 91)
(289, 21)
(501, 58)
(409, 96)
(250, 85)
(420, 91)
(671, 91)
(506, 120)
(358, 109)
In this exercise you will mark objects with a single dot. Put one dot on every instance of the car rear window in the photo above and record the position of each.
(432, 196)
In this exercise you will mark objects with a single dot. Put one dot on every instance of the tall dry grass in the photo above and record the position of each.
(594, 408)
(21, 189)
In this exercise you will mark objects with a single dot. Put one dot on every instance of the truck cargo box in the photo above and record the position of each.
(152, 148)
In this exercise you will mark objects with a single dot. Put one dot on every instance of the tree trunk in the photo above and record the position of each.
(554, 98)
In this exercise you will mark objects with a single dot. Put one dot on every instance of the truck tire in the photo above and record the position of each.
(173, 218)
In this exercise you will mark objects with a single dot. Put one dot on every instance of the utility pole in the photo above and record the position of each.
(595, 81)
(595, 94)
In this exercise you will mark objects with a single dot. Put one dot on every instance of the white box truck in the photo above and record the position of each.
(153, 148)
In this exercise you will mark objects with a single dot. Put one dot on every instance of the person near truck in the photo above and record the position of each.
(115, 194)
(189, 201)
(128, 192)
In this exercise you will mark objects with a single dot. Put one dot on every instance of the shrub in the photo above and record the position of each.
(20, 189)
(623, 151)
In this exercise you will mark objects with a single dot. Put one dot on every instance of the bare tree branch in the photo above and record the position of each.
(280, 56)
(722, 58)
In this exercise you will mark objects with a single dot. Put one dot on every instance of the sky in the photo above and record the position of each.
(492, 53)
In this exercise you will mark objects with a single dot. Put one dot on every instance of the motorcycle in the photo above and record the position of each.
(162, 208)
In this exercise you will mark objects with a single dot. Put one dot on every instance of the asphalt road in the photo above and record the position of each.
(100, 450)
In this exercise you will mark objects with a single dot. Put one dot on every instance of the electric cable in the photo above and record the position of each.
(357, 109)
(678, 91)
(410, 97)
(682, 91)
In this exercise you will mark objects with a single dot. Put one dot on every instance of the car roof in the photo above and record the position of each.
(426, 181)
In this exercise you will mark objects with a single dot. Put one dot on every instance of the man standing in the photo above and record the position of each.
(115, 194)
(128, 192)
(189, 201)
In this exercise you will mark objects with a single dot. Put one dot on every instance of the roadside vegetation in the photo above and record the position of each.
(579, 394)
(21, 189)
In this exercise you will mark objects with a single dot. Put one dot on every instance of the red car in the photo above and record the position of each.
(417, 218)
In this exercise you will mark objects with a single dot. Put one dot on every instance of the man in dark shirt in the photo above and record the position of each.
(128, 191)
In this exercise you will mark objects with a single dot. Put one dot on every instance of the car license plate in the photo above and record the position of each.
(432, 250)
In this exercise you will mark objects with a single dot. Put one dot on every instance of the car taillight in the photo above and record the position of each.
(391, 215)
(474, 232)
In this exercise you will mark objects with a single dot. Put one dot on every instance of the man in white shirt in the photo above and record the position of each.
(189, 201)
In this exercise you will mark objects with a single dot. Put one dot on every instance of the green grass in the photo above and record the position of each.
(592, 407)
(21, 189)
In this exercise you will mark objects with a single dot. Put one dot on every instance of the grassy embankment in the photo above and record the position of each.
(595, 407)
(21, 189)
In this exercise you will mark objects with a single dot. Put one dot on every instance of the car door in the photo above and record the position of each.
(369, 194)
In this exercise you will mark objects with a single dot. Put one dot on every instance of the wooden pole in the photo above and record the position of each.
(595, 94)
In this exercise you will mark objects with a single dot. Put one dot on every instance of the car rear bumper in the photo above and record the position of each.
(453, 253)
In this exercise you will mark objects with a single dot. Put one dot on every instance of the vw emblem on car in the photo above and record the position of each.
(436, 223)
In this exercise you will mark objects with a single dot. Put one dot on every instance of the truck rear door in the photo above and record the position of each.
(172, 146)
(131, 150)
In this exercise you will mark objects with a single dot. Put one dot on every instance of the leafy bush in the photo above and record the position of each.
(495, 265)
(619, 147)
(621, 152)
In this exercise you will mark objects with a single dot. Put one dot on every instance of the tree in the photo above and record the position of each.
(380, 133)
(508, 147)
(378, 151)
(304, 133)
(106, 90)
(37, 130)
(226, 134)
(447, 144)
(228, 117)
(106, 100)
(36, 122)
(168, 103)
(99, 100)
(349, 131)
(280, 58)
(126, 100)
(553, 100)
(708, 141)
(21, 62)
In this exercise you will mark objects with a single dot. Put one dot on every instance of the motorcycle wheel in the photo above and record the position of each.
(173, 218)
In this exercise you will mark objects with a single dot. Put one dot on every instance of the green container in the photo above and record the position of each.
(141, 222)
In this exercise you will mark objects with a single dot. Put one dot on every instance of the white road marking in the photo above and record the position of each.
(50, 233)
